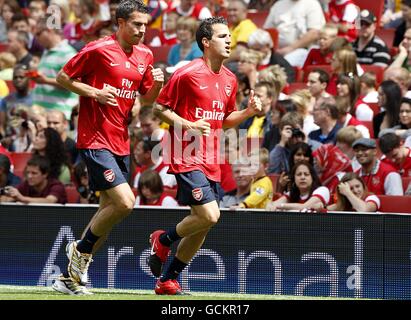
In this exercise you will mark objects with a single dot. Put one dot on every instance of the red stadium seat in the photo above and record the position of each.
(19, 160)
(3, 47)
(395, 204)
(393, 51)
(253, 143)
(375, 6)
(258, 17)
(150, 34)
(172, 192)
(160, 53)
(19, 173)
(405, 182)
(386, 35)
(274, 36)
(370, 127)
(10, 85)
(298, 74)
(274, 179)
(294, 86)
(308, 69)
(72, 194)
(377, 70)
(374, 107)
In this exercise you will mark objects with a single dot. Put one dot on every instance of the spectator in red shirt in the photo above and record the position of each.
(380, 177)
(395, 153)
(151, 191)
(168, 36)
(144, 156)
(323, 54)
(330, 164)
(344, 13)
(38, 187)
(306, 191)
(352, 195)
(368, 95)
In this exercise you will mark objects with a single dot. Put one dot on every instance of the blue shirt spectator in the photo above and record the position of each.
(187, 47)
(174, 55)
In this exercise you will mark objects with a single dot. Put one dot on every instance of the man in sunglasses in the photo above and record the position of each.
(368, 47)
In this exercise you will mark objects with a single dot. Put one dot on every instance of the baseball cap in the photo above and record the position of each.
(367, 16)
(179, 65)
(369, 143)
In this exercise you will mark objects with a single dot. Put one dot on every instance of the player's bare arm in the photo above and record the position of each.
(237, 117)
(107, 95)
(42, 79)
(173, 119)
(152, 94)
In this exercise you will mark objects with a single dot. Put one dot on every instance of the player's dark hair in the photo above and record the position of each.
(205, 30)
(41, 162)
(127, 7)
(389, 142)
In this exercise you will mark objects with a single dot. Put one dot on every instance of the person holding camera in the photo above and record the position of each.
(80, 175)
(291, 132)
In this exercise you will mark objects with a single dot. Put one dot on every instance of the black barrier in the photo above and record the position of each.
(342, 255)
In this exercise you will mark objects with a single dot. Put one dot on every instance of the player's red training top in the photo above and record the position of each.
(195, 92)
(100, 63)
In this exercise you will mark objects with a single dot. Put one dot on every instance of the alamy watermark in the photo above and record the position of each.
(221, 146)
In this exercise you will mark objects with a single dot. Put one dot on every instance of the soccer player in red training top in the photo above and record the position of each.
(198, 98)
(108, 74)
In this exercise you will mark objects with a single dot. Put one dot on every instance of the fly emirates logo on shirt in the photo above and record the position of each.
(125, 90)
(215, 114)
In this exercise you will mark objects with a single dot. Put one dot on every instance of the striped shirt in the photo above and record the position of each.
(52, 97)
(375, 52)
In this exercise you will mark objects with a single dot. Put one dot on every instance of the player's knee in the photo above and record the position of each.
(211, 219)
(125, 205)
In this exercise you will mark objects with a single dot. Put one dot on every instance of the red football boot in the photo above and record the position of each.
(168, 287)
(158, 254)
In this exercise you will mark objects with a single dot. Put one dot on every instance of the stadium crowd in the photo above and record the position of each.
(333, 77)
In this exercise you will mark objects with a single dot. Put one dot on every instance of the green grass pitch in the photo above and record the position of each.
(46, 293)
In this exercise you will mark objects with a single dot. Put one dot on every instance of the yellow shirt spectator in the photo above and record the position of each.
(242, 32)
(256, 129)
(261, 193)
(4, 89)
